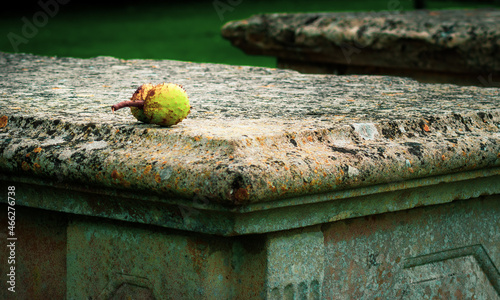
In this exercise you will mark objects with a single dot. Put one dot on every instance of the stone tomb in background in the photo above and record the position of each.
(446, 46)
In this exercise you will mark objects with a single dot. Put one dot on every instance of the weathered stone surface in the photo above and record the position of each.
(254, 134)
(438, 252)
(108, 259)
(313, 170)
(256, 139)
(39, 254)
(433, 44)
(441, 252)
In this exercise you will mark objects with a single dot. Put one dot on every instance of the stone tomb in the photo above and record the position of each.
(279, 185)
(445, 46)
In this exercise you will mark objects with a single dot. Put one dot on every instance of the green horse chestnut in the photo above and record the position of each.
(165, 104)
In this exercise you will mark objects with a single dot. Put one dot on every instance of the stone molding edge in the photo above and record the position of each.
(258, 218)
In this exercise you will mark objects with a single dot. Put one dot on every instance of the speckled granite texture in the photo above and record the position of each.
(453, 41)
(254, 134)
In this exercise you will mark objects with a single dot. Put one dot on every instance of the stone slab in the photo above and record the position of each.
(257, 140)
(279, 185)
(456, 46)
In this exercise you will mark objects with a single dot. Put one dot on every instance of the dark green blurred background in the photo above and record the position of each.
(179, 30)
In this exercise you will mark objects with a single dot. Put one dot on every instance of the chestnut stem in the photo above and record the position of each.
(128, 103)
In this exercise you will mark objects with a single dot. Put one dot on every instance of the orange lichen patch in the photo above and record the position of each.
(426, 128)
(241, 194)
(148, 168)
(134, 170)
(25, 166)
(38, 149)
(36, 166)
(28, 154)
(157, 178)
(443, 157)
(309, 138)
(116, 175)
(271, 186)
(197, 138)
(3, 121)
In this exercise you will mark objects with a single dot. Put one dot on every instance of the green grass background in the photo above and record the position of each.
(187, 31)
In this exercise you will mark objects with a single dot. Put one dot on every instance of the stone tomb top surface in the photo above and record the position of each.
(461, 41)
(255, 135)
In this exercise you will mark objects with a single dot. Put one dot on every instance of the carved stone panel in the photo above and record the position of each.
(449, 251)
